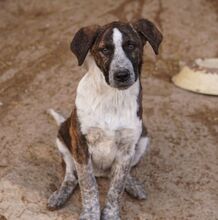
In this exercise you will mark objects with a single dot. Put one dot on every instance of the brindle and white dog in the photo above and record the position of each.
(105, 135)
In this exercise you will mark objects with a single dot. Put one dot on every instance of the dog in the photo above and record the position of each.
(105, 135)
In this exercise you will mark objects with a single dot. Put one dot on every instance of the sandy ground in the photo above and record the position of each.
(38, 71)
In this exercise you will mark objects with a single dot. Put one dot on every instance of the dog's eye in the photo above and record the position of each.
(130, 46)
(106, 51)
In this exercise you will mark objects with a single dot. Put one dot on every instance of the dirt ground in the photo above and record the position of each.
(38, 71)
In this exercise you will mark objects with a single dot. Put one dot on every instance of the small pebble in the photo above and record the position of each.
(1, 103)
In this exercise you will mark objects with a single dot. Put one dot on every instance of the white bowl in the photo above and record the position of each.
(200, 77)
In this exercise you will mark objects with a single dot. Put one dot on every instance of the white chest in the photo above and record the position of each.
(99, 105)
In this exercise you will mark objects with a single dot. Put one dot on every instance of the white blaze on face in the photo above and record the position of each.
(120, 61)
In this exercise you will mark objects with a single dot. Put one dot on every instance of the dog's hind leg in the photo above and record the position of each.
(141, 147)
(59, 197)
(133, 186)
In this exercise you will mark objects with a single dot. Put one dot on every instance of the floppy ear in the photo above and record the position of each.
(83, 41)
(148, 32)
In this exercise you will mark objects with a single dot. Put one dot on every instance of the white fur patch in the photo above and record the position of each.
(120, 60)
(67, 159)
(100, 105)
(140, 149)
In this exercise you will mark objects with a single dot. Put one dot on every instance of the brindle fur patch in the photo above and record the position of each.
(78, 141)
(83, 41)
(148, 32)
(63, 133)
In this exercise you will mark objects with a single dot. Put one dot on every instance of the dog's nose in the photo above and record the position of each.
(122, 76)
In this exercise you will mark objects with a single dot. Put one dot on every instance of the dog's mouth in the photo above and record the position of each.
(123, 85)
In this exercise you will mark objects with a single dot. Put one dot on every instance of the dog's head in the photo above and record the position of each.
(117, 49)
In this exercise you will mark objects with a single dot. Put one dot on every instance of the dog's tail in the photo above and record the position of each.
(57, 117)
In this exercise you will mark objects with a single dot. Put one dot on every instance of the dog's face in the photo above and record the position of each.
(117, 49)
(118, 53)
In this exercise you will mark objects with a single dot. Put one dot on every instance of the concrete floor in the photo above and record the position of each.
(38, 71)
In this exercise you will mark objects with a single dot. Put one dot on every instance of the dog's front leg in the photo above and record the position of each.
(89, 191)
(120, 172)
(86, 178)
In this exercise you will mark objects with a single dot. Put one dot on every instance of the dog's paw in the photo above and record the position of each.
(60, 197)
(135, 189)
(110, 213)
(55, 201)
(90, 215)
(136, 192)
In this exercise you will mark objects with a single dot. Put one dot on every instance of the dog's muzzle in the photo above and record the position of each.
(123, 79)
